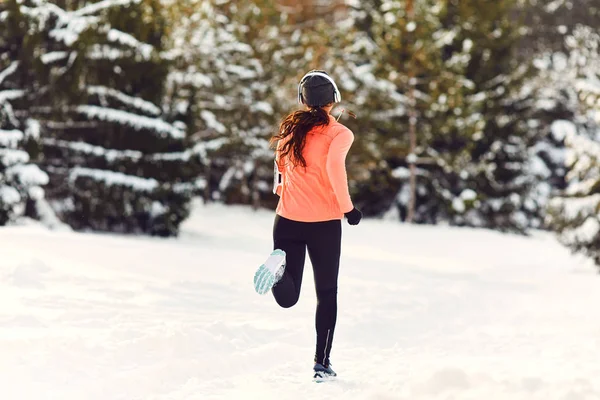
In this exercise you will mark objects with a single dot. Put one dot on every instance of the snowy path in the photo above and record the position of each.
(425, 313)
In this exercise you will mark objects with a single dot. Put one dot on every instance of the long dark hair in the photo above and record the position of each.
(298, 124)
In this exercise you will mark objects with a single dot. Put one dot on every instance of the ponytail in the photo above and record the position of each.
(297, 125)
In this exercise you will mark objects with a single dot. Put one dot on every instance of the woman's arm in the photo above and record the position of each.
(278, 171)
(336, 168)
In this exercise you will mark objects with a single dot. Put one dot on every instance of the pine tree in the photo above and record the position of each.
(554, 28)
(494, 175)
(575, 214)
(21, 181)
(392, 68)
(231, 83)
(115, 163)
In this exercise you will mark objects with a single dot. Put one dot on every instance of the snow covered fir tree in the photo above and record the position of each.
(232, 82)
(22, 182)
(468, 115)
(433, 68)
(115, 162)
(575, 213)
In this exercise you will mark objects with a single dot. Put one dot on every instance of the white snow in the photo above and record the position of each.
(53, 56)
(562, 129)
(554, 5)
(135, 102)
(577, 207)
(196, 79)
(102, 5)
(104, 52)
(45, 212)
(33, 129)
(468, 194)
(10, 157)
(86, 148)
(133, 120)
(10, 94)
(10, 138)
(69, 31)
(262, 106)
(241, 71)
(424, 313)
(144, 49)
(212, 122)
(9, 195)
(114, 178)
(9, 70)
(585, 233)
(27, 174)
(458, 205)
(157, 209)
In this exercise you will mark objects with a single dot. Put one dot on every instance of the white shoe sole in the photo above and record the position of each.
(270, 272)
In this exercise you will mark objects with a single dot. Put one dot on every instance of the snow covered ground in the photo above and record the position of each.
(424, 313)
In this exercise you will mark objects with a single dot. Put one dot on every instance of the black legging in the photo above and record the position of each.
(323, 241)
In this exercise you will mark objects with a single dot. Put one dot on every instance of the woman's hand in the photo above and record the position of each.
(354, 216)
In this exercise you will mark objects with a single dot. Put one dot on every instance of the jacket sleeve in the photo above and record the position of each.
(336, 168)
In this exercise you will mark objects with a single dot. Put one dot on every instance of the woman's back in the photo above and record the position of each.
(319, 191)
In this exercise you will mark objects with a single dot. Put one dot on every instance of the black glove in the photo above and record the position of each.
(354, 216)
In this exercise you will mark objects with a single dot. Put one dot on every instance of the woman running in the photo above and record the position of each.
(311, 181)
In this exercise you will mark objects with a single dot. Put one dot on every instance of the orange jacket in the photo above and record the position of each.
(319, 191)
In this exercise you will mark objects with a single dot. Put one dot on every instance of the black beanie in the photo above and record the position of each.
(317, 91)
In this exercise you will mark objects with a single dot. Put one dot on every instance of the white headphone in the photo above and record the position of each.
(337, 97)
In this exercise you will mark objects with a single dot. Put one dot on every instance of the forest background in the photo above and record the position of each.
(114, 114)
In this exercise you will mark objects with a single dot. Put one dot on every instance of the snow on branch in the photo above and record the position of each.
(126, 39)
(53, 56)
(135, 102)
(584, 233)
(33, 128)
(9, 157)
(111, 178)
(196, 79)
(69, 34)
(27, 174)
(9, 195)
(10, 95)
(580, 145)
(576, 207)
(10, 138)
(211, 121)
(203, 148)
(241, 71)
(102, 5)
(589, 85)
(85, 148)
(135, 121)
(9, 70)
(111, 155)
(104, 52)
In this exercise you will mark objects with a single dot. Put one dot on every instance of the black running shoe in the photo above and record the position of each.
(323, 372)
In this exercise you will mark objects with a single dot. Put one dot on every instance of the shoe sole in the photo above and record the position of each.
(320, 377)
(264, 278)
